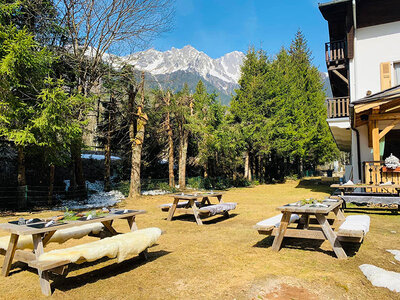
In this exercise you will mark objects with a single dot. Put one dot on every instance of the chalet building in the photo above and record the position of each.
(363, 62)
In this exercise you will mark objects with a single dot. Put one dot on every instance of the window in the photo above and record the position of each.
(396, 67)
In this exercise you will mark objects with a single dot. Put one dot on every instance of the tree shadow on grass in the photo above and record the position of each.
(214, 220)
(308, 245)
(69, 283)
(315, 185)
(365, 210)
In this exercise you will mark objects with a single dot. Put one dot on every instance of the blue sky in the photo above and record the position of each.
(218, 27)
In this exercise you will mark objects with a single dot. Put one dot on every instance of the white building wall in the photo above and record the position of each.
(372, 46)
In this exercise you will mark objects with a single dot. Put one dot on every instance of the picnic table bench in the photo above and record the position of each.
(340, 229)
(190, 205)
(57, 260)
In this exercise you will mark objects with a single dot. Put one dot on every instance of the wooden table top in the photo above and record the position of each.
(362, 185)
(28, 230)
(196, 195)
(309, 208)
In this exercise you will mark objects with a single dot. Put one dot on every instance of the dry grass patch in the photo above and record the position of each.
(225, 258)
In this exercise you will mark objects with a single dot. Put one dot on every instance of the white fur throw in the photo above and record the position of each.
(218, 208)
(355, 223)
(181, 204)
(120, 246)
(60, 236)
(275, 221)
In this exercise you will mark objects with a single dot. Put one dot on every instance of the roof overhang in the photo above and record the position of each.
(333, 8)
(384, 105)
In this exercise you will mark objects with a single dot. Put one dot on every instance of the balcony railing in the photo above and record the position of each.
(375, 172)
(338, 107)
(335, 51)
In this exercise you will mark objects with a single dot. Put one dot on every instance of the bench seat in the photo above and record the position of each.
(220, 208)
(181, 204)
(354, 228)
(120, 246)
(266, 226)
(60, 236)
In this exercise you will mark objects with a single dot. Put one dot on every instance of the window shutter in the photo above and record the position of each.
(386, 76)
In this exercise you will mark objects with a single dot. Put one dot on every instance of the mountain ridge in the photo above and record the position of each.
(172, 68)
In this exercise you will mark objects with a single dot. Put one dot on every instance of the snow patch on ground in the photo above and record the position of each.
(97, 156)
(154, 192)
(382, 278)
(67, 184)
(98, 200)
(97, 186)
(396, 254)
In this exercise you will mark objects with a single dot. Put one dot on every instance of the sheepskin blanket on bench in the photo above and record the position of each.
(354, 224)
(60, 236)
(275, 221)
(181, 204)
(120, 246)
(218, 208)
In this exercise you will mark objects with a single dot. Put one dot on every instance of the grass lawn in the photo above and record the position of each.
(225, 258)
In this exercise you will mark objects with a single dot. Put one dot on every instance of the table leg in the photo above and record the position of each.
(195, 212)
(331, 236)
(47, 237)
(220, 199)
(172, 209)
(205, 200)
(109, 227)
(132, 223)
(304, 222)
(339, 217)
(12, 246)
(43, 275)
(281, 232)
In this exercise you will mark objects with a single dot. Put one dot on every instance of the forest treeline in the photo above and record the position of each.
(52, 75)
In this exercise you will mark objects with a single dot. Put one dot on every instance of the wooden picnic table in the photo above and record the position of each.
(41, 236)
(303, 230)
(343, 187)
(191, 207)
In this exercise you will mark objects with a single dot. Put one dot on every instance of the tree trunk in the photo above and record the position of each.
(170, 145)
(107, 165)
(107, 149)
(247, 167)
(183, 145)
(21, 166)
(76, 156)
(51, 184)
(136, 134)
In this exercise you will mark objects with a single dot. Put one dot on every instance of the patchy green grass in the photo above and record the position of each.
(225, 258)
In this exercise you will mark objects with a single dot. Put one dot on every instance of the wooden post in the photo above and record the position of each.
(12, 246)
(375, 141)
(43, 275)
(276, 245)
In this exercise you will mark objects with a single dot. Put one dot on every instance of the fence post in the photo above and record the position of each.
(22, 197)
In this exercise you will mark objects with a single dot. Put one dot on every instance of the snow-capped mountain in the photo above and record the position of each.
(189, 65)
(172, 68)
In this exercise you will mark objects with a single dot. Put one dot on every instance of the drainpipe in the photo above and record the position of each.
(354, 80)
(358, 151)
(354, 14)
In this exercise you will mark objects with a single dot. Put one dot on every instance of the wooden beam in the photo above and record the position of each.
(370, 125)
(388, 116)
(363, 107)
(341, 76)
(375, 140)
(388, 128)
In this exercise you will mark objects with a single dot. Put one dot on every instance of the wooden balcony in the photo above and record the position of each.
(376, 173)
(338, 107)
(335, 52)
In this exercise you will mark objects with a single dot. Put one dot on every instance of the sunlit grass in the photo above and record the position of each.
(225, 258)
